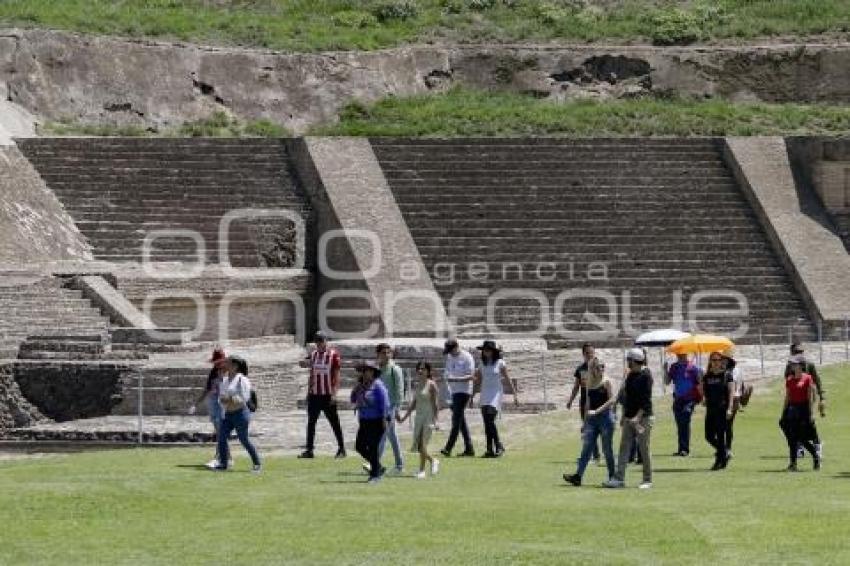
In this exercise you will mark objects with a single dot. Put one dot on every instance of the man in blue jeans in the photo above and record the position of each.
(685, 377)
(393, 379)
(457, 374)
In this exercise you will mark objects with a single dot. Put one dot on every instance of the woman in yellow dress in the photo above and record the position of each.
(425, 405)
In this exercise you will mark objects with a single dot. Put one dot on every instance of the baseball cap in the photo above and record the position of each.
(636, 355)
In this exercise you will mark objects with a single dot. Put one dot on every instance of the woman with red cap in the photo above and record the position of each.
(210, 396)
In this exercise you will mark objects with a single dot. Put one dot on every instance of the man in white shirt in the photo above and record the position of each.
(458, 373)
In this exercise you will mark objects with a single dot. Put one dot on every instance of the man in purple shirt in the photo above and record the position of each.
(685, 376)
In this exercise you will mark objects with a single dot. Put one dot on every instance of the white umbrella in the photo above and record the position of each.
(663, 337)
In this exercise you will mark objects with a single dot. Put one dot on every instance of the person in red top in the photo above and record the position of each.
(323, 384)
(797, 420)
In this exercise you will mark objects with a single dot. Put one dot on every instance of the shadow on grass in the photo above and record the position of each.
(842, 476)
(678, 470)
(201, 467)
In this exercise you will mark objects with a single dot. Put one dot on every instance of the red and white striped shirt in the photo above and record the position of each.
(322, 366)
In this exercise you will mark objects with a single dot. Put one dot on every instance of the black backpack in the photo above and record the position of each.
(252, 403)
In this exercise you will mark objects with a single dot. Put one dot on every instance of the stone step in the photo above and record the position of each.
(113, 201)
(572, 236)
(661, 284)
(123, 218)
(582, 168)
(560, 155)
(567, 207)
(530, 144)
(525, 179)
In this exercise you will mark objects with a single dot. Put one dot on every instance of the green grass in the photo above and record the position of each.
(218, 125)
(309, 25)
(153, 507)
(477, 113)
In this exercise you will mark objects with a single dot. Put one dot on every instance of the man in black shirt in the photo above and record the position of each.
(717, 388)
(636, 398)
(580, 387)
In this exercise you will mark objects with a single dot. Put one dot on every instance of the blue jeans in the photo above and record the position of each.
(459, 403)
(391, 435)
(238, 421)
(594, 427)
(683, 411)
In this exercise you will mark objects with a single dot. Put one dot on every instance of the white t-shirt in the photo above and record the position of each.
(238, 388)
(491, 384)
(737, 380)
(459, 366)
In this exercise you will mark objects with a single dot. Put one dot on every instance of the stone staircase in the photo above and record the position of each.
(632, 220)
(44, 320)
(118, 190)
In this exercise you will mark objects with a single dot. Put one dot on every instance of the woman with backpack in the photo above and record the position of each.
(235, 397)
(798, 417)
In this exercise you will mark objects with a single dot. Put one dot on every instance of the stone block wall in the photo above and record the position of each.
(65, 391)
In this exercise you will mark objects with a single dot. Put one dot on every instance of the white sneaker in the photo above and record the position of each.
(212, 464)
(373, 481)
(435, 467)
(645, 485)
(366, 467)
(257, 469)
(420, 475)
(615, 484)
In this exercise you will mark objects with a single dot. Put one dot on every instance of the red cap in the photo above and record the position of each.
(218, 356)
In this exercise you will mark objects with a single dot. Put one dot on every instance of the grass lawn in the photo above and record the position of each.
(310, 25)
(462, 112)
(154, 507)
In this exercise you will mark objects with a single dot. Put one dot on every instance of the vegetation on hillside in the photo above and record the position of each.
(462, 112)
(310, 25)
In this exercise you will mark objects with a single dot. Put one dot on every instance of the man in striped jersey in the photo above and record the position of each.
(324, 364)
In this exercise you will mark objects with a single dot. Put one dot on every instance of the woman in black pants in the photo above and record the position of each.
(717, 391)
(797, 420)
(373, 410)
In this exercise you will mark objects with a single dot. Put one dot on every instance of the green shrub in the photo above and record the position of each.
(265, 129)
(674, 26)
(552, 13)
(396, 10)
(355, 19)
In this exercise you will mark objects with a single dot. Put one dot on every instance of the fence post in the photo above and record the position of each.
(761, 351)
(141, 394)
(411, 394)
(846, 338)
(545, 381)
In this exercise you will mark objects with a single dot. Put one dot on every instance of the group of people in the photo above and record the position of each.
(720, 388)
(379, 395)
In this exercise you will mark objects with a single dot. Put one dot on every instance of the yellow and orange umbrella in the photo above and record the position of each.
(700, 344)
